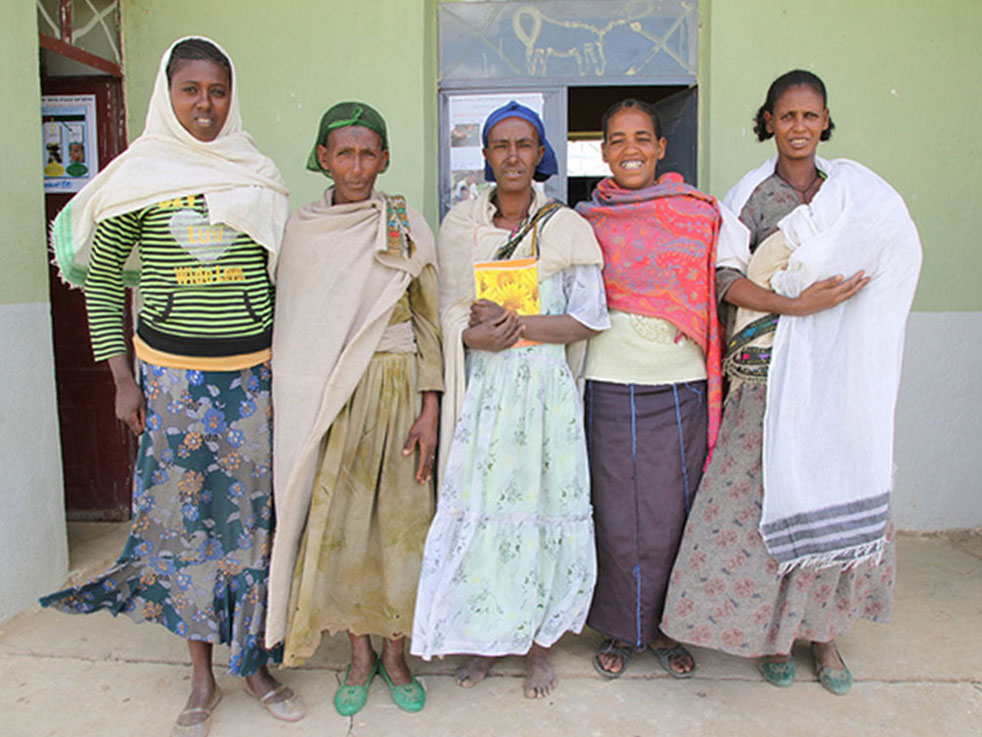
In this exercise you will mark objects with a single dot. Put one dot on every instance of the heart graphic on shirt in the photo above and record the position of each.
(202, 240)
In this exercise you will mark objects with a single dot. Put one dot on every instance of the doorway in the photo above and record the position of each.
(677, 110)
(97, 450)
(570, 61)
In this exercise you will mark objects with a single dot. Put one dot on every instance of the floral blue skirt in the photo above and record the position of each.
(197, 558)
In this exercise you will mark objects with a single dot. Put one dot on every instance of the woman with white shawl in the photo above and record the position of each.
(193, 213)
(789, 535)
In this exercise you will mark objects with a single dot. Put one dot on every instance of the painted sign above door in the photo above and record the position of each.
(569, 40)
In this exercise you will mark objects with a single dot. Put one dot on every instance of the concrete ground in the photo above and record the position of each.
(919, 675)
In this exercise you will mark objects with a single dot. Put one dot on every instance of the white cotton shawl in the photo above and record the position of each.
(242, 187)
(834, 375)
(337, 287)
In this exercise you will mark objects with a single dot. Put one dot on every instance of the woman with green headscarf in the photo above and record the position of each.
(357, 371)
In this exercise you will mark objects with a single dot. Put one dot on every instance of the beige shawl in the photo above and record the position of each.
(468, 235)
(337, 286)
(770, 257)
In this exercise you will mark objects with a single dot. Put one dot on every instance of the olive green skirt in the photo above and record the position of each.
(362, 547)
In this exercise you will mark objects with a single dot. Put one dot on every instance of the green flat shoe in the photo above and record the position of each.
(409, 696)
(778, 674)
(835, 680)
(349, 700)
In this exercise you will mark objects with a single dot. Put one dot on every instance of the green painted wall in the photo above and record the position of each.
(24, 276)
(905, 94)
(903, 83)
(296, 59)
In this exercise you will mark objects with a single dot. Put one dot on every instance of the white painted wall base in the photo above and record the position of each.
(33, 538)
(939, 424)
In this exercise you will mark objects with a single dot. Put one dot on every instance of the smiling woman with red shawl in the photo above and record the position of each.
(653, 394)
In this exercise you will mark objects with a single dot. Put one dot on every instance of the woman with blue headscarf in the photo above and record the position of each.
(509, 563)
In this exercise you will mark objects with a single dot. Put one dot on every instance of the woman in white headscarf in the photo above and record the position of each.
(193, 213)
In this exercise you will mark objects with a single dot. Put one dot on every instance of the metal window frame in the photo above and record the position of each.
(556, 93)
(68, 49)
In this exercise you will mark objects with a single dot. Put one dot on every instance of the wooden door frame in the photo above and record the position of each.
(97, 450)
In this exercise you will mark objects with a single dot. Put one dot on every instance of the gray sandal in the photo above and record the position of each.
(610, 647)
(666, 655)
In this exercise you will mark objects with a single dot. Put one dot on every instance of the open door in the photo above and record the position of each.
(97, 450)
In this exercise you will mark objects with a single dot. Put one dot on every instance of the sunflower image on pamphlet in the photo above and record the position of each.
(512, 284)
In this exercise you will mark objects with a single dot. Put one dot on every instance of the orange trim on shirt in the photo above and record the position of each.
(199, 363)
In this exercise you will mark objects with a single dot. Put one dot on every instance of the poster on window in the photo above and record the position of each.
(70, 146)
(466, 113)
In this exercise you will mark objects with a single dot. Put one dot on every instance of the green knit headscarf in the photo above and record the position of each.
(345, 115)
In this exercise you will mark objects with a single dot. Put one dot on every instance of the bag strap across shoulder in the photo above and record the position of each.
(534, 224)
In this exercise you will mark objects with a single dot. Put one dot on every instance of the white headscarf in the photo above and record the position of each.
(242, 187)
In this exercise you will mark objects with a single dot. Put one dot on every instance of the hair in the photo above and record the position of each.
(645, 107)
(194, 49)
(794, 78)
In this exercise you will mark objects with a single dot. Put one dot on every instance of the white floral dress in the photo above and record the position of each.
(510, 558)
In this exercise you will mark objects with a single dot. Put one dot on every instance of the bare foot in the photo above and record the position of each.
(394, 660)
(681, 661)
(827, 655)
(202, 693)
(362, 660)
(473, 671)
(540, 678)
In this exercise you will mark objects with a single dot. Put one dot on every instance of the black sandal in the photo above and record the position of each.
(610, 647)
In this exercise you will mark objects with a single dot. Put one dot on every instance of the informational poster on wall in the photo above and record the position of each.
(466, 113)
(71, 149)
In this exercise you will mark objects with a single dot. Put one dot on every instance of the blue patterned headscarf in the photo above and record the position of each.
(548, 166)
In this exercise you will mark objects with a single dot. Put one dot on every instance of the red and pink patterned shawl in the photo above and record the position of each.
(659, 247)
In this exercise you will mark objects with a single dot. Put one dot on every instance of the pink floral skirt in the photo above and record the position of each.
(724, 591)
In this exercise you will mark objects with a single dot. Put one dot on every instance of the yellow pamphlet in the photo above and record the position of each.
(513, 284)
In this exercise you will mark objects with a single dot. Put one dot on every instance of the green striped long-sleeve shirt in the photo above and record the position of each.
(205, 288)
